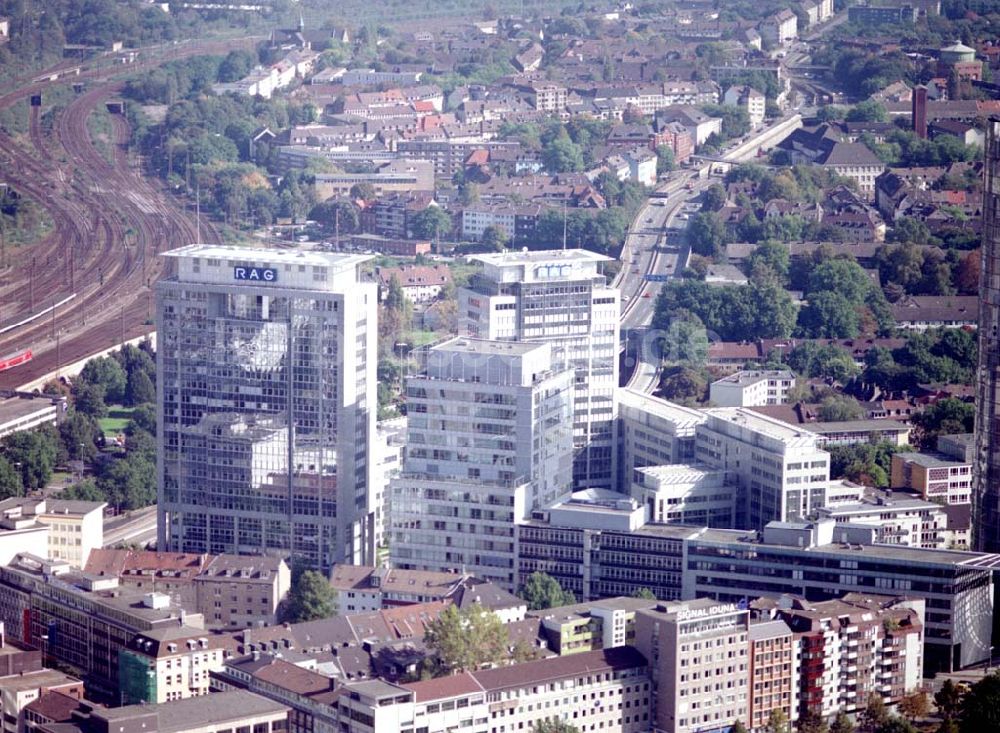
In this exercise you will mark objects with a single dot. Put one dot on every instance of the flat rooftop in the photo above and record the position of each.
(241, 255)
(931, 460)
(682, 471)
(857, 426)
(14, 408)
(197, 712)
(749, 377)
(901, 553)
(467, 345)
(769, 426)
(534, 257)
(659, 407)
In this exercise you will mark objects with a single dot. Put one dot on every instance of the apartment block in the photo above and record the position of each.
(559, 297)
(773, 673)
(266, 405)
(699, 664)
(593, 691)
(752, 388)
(166, 664)
(18, 691)
(781, 473)
(853, 647)
(489, 442)
(585, 627)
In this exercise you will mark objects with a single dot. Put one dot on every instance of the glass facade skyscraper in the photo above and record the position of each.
(266, 405)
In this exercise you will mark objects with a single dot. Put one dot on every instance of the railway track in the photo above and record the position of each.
(109, 223)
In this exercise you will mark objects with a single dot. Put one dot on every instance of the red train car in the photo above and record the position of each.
(17, 358)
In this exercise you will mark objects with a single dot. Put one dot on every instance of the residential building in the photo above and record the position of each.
(559, 297)
(855, 161)
(516, 221)
(698, 662)
(749, 99)
(752, 388)
(817, 11)
(399, 176)
(698, 124)
(986, 466)
(266, 405)
(170, 663)
(921, 312)
(781, 472)
(774, 673)
(895, 519)
(362, 588)
(852, 647)
(610, 690)
(780, 28)
(606, 623)
(686, 494)
(22, 413)
(489, 442)
(821, 561)
(235, 591)
(18, 691)
(944, 477)
(20, 533)
(230, 591)
(546, 96)
(876, 15)
(420, 283)
(223, 711)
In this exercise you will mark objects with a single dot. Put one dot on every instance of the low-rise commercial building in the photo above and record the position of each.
(944, 477)
(24, 413)
(752, 388)
(686, 494)
(895, 520)
(76, 528)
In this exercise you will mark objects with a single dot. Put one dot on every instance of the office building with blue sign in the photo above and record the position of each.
(266, 400)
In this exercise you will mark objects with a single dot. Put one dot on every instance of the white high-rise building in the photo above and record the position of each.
(782, 475)
(560, 297)
(266, 405)
(488, 442)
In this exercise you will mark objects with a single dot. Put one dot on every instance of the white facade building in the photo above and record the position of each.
(748, 98)
(266, 405)
(653, 432)
(752, 388)
(896, 520)
(488, 442)
(686, 494)
(559, 297)
(781, 473)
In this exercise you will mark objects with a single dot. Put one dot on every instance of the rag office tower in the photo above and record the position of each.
(266, 404)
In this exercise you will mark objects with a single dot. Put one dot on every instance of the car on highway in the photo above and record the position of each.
(646, 295)
(649, 220)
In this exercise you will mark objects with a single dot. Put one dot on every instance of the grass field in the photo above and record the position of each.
(118, 417)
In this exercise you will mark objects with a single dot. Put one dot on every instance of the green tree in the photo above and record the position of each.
(88, 399)
(10, 480)
(914, 706)
(645, 594)
(664, 159)
(839, 408)
(714, 197)
(494, 239)
(684, 385)
(867, 111)
(771, 256)
(85, 490)
(129, 482)
(777, 722)
(842, 723)
(431, 223)
(33, 453)
(395, 299)
(707, 235)
(811, 722)
(363, 191)
(143, 419)
(944, 417)
(554, 726)
(686, 340)
(948, 700)
(542, 591)
(981, 705)
(562, 155)
(140, 389)
(107, 373)
(828, 361)
(829, 314)
(874, 713)
(79, 434)
(311, 598)
(466, 639)
(738, 727)
(895, 724)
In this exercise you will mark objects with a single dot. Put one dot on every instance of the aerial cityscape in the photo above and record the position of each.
(499, 367)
